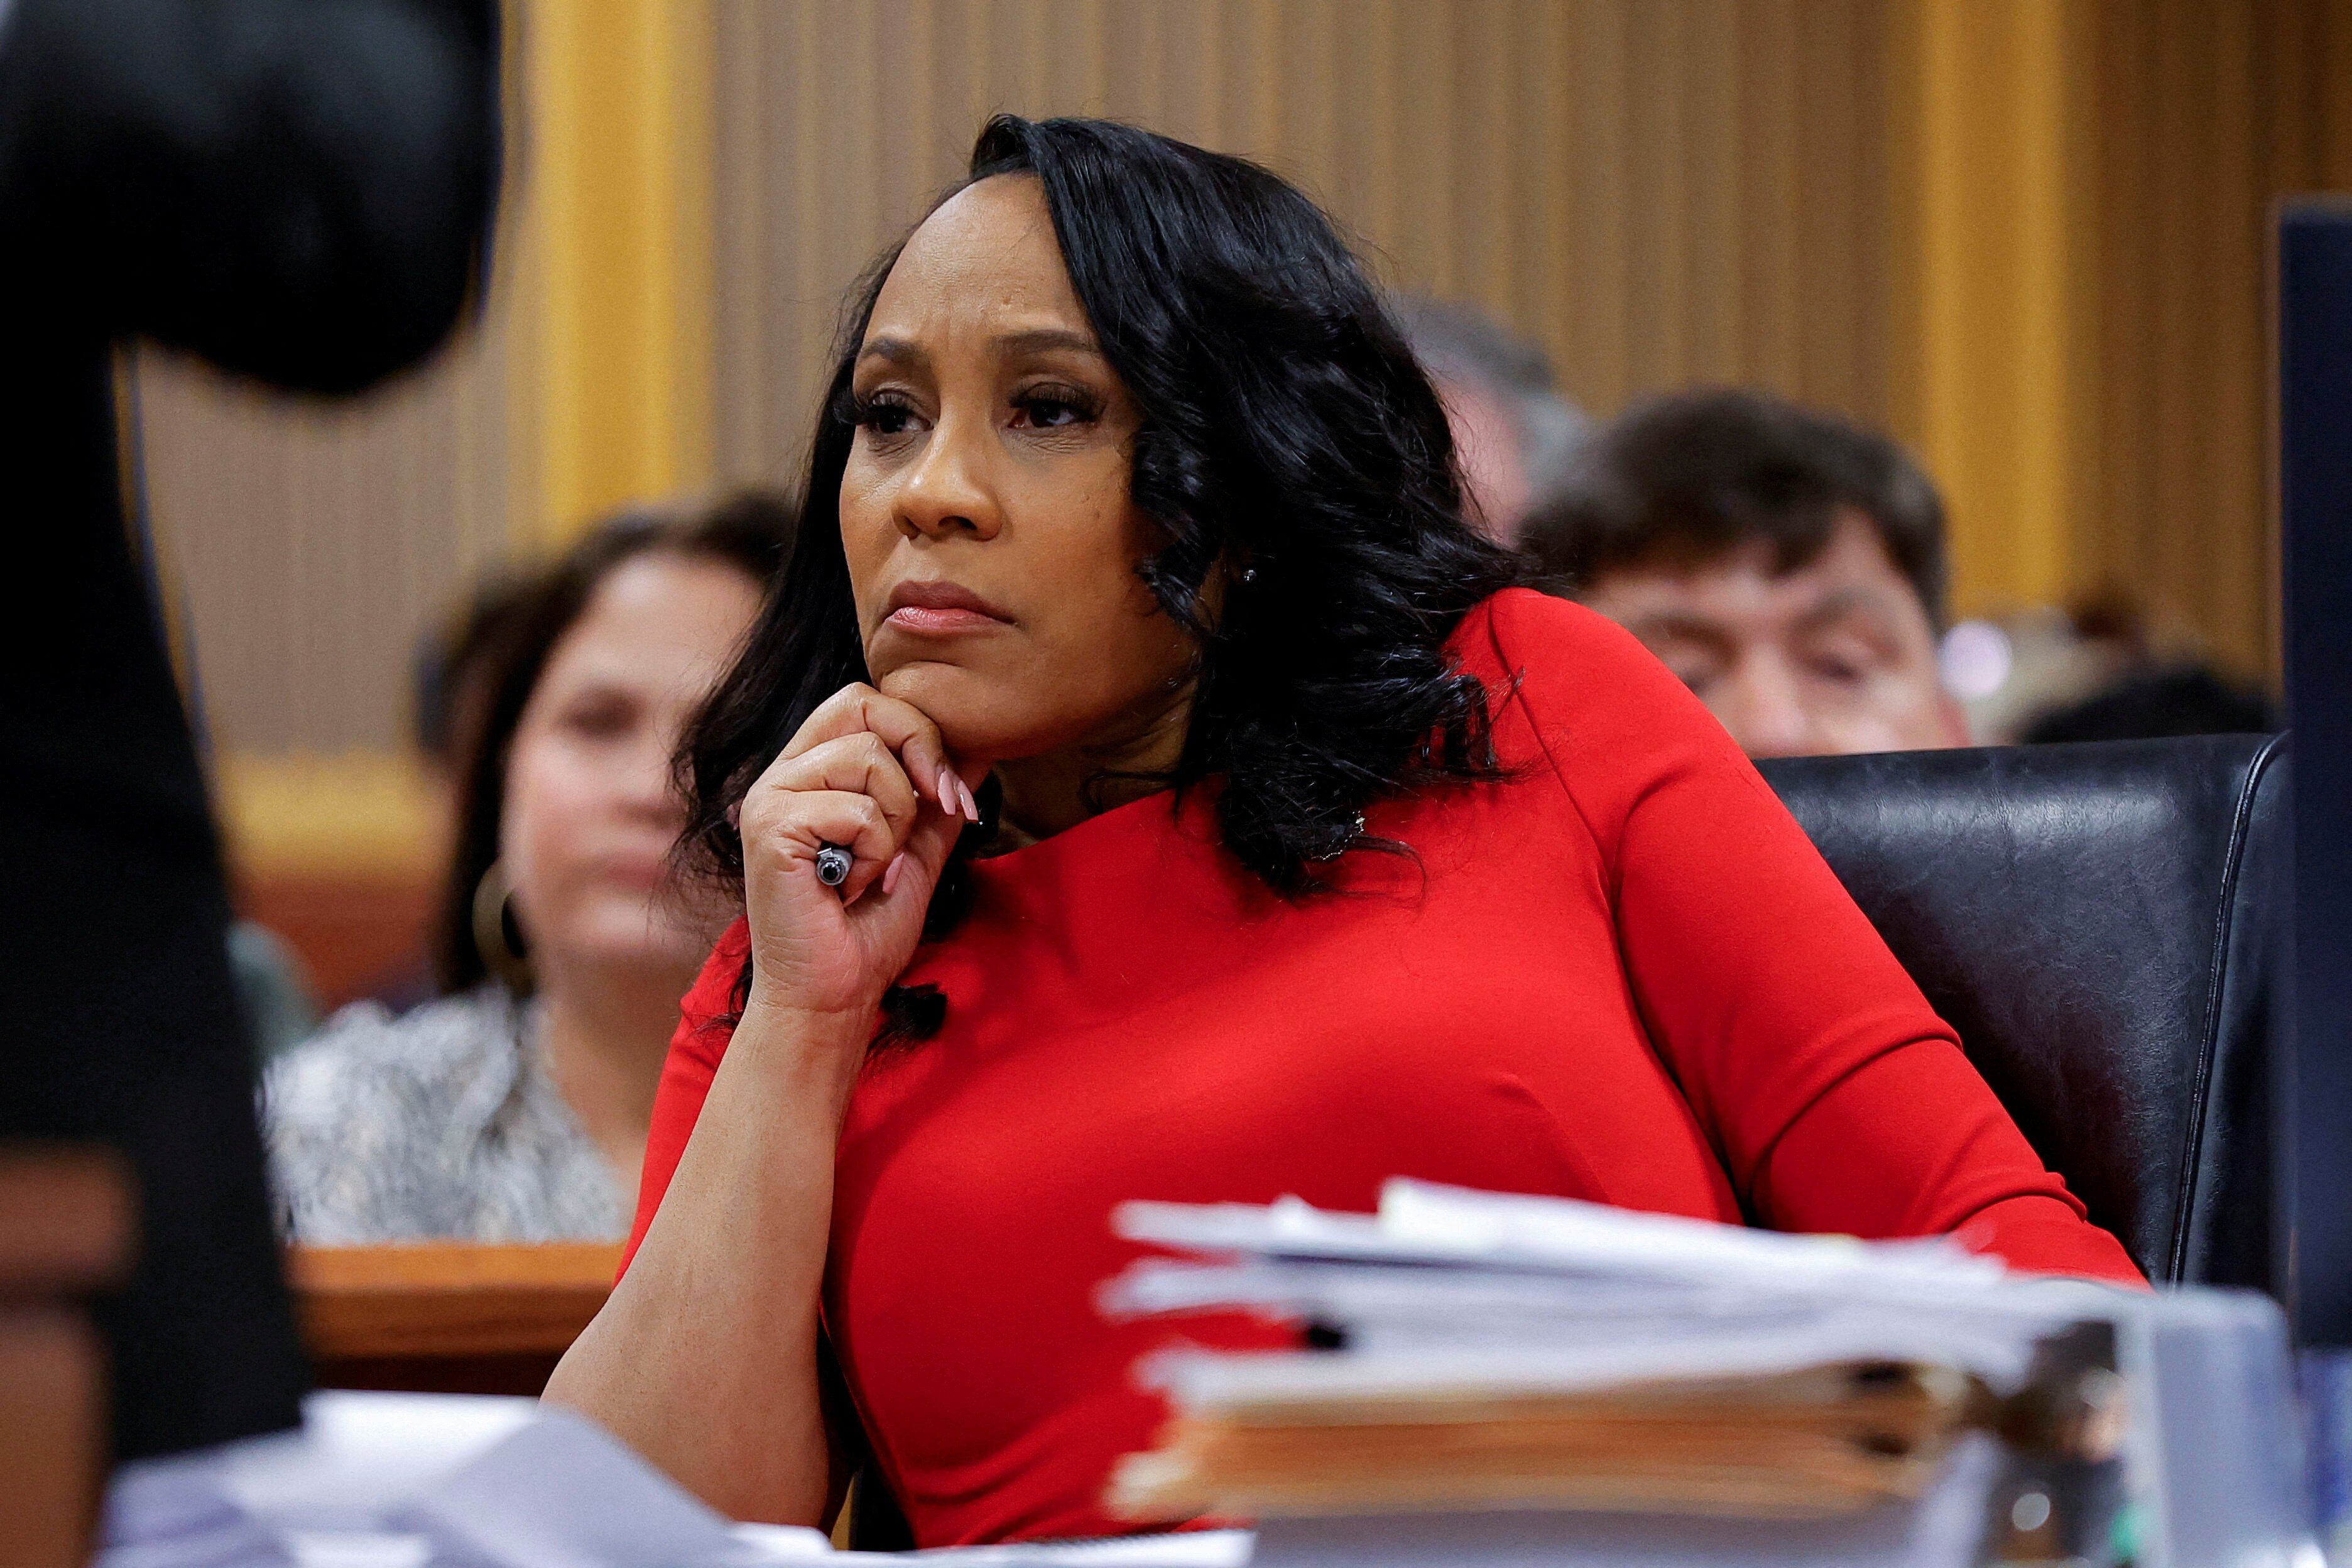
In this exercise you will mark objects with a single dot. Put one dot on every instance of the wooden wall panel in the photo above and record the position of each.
(1999, 346)
(612, 256)
(1660, 191)
(2207, 113)
(312, 542)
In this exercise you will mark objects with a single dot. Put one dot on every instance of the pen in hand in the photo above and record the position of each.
(833, 861)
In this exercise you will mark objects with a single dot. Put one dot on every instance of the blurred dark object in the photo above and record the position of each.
(2152, 703)
(2314, 299)
(301, 192)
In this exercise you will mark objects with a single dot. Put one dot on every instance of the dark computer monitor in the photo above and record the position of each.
(2313, 1109)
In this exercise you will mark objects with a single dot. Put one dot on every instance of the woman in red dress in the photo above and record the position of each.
(1222, 825)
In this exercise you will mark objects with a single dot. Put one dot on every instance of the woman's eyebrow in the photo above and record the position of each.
(1039, 338)
(896, 351)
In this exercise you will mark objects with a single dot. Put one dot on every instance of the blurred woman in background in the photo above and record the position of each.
(515, 1108)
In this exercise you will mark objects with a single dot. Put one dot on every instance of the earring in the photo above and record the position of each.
(1249, 573)
(497, 936)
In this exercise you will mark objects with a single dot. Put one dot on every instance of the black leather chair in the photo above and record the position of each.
(2102, 923)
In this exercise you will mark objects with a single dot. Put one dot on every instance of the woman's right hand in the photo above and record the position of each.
(872, 774)
(703, 1358)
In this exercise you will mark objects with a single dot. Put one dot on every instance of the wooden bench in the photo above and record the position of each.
(447, 1317)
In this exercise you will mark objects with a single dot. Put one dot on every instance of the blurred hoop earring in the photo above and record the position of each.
(496, 935)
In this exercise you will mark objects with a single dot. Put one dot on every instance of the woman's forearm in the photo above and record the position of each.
(704, 1358)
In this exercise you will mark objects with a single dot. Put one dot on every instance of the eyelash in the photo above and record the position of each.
(864, 413)
(1076, 399)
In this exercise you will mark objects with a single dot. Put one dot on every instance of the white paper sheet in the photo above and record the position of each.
(420, 1480)
(403, 1480)
(1422, 1223)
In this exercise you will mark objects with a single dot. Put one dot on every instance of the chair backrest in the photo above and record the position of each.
(2101, 922)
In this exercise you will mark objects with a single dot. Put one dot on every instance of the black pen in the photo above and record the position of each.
(833, 864)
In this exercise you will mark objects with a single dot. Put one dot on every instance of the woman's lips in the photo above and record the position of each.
(940, 620)
(941, 609)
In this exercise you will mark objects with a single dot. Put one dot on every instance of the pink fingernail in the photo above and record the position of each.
(890, 873)
(947, 792)
(971, 806)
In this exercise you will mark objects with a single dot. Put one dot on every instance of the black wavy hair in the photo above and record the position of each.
(508, 638)
(1286, 428)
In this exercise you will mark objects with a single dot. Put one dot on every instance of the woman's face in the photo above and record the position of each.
(985, 510)
(589, 815)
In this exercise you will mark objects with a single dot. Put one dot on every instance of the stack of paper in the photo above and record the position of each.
(1510, 1350)
(1649, 1379)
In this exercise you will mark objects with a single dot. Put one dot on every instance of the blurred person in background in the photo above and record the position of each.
(2152, 687)
(299, 193)
(450, 682)
(515, 1108)
(1787, 565)
(1513, 434)
(2099, 669)
(2158, 701)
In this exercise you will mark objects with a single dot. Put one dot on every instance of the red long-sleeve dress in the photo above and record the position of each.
(1621, 975)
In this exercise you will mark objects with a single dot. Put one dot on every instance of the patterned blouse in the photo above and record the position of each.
(443, 1123)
